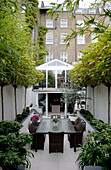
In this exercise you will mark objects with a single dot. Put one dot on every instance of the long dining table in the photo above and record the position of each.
(46, 126)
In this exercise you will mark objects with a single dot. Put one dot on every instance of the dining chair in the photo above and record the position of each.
(56, 142)
(53, 116)
(58, 116)
(37, 139)
(78, 135)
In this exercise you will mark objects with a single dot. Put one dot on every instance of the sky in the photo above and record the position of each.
(84, 4)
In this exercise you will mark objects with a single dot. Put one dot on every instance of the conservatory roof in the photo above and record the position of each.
(55, 65)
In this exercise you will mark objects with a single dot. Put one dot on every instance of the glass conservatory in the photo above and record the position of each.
(48, 93)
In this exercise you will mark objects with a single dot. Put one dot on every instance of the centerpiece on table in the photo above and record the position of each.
(55, 122)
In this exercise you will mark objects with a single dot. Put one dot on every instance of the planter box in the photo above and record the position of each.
(89, 127)
(21, 167)
(92, 168)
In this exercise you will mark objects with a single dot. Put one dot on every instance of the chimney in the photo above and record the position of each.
(42, 4)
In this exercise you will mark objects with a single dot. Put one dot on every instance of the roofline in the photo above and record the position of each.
(70, 65)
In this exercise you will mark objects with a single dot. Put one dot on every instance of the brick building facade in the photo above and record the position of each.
(58, 28)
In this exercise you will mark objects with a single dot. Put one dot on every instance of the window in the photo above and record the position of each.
(80, 55)
(49, 23)
(80, 39)
(49, 38)
(63, 56)
(80, 22)
(63, 23)
(93, 36)
(79, 11)
(92, 11)
(62, 38)
(49, 57)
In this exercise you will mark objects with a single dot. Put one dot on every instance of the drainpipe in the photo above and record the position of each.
(75, 37)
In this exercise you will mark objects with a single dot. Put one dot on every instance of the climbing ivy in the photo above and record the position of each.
(41, 43)
(31, 12)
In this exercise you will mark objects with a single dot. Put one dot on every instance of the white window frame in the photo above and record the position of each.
(93, 35)
(63, 23)
(79, 55)
(62, 37)
(49, 57)
(63, 56)
(49, 38)
(80, 39)
(49, 23)
(80, 21)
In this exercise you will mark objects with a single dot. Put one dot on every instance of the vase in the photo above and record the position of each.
(55, 124)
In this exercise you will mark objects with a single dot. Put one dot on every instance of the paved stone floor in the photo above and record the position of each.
(55, 161)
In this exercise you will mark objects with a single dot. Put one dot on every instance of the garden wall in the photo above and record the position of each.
(101, 102)
(9, 103)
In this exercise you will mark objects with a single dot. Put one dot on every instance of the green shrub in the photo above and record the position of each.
(94, 153)
(7, 127)
(19, 118)
(27, 110)
(24, 114)
(13, 146)
(13, 150)
(82, 111)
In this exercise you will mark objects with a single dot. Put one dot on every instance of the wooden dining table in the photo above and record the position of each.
(46, 126)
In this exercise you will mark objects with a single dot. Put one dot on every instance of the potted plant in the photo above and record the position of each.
(34, 117)
(13, 147)
(55, 122)
(96, 151)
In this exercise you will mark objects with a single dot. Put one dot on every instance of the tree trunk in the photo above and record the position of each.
(2, 102)
(36, 30)
(93, 104)
(108, 105)
(15, 102)
(73, 109)
(85, 97)
(25, 97)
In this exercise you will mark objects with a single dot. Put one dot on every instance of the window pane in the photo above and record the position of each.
(63, 36)
(43, 84)
(63, 56)
(49, 57)
(80, 39)
(80, 22)
(49, 38)
(51, 79)
(60, 78)
(42, 102)
(49, 23)
(63, 23)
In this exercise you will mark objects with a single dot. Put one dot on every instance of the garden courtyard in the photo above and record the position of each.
(56, 161)
(55, 94)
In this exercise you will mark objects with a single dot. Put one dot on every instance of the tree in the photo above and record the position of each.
(30, 76)
(95, 66)
(15, 42)
(71, 96)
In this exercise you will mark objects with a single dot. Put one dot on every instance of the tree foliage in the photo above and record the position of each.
(31, 12)
(72, 6)
(95, 65)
